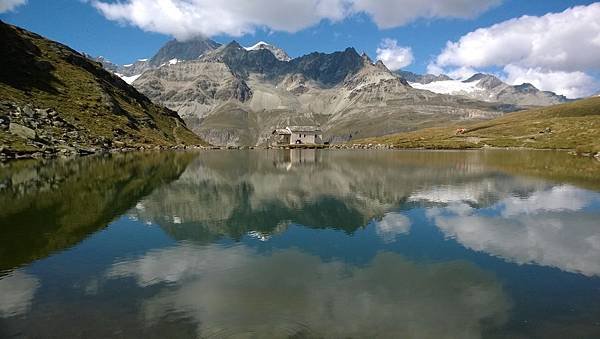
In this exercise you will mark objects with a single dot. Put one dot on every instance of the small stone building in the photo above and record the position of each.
(298, 135)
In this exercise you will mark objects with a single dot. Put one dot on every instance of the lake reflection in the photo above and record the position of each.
(302, 244)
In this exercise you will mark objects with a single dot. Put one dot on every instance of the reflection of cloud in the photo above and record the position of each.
(230, 291)
(391, 225)
(175, 264)
(447, 194)
(567, 241)
(16, 293)
(560, 198)
(547, 228)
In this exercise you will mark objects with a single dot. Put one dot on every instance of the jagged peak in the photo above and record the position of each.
(233, 44)
(379, 64)
(366, 57)
(351, 50)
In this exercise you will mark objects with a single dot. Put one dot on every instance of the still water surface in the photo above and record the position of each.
(334, 244)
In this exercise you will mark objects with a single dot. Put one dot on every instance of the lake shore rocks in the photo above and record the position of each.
(29, 132)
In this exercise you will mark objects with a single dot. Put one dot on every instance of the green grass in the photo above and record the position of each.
(573, 126)
(83, 94)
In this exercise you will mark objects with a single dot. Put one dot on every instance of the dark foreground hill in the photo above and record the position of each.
(53, 100)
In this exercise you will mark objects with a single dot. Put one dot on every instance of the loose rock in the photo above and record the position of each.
(22, 131)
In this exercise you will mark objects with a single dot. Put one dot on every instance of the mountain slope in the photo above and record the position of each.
(183, 50)
(53, 99)
(172, 52)
(422, 78)
(232, 96)
(489, 88)
(573, 125)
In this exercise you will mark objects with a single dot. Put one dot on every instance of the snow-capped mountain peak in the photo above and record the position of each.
(277, 52)
(258, 45)
(488, 87)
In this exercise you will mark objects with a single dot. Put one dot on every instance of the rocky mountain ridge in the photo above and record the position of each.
(422, 78)
(235, 96)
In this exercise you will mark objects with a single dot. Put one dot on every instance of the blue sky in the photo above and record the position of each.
(85, 28)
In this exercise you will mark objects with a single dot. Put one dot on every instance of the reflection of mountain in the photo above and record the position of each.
(231, 194)
(235, 292)
(51, 205)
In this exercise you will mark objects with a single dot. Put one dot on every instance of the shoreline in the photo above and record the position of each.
(8, 155)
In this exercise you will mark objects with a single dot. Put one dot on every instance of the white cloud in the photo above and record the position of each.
(393, 13)
(393, 56)
(547, 51)
(570, 84)
(186, 18)
(9, 5)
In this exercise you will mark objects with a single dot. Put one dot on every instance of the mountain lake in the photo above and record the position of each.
(301, 244)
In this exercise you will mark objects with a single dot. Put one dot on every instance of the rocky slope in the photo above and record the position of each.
(489, 88)
(235, 96)
(54, 100)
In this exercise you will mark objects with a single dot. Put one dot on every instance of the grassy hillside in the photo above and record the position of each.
(52, 98)
(571, 126)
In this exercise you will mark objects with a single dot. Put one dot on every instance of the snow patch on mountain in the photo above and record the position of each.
(128, 79)
(452, 87)
(257, 46)
(277, 52)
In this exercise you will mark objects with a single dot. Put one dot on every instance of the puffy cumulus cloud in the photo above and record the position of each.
(9, 5)
(393, 13)
(290, 292)
(186, 18)
(570, 84)
(393, 56)
(553, 41)
(546, 50)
